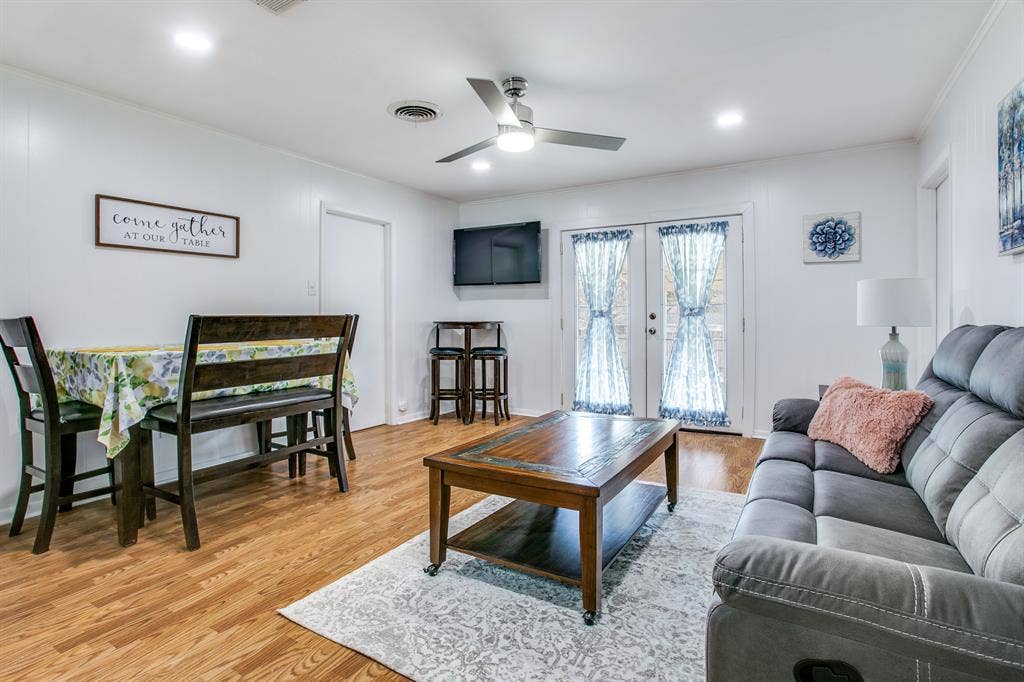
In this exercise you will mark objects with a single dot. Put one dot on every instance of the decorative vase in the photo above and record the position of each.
(894, 356)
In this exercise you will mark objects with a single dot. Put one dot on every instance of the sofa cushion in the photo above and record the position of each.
(985, 521)
(884, 505)
(859, 537)
(998, 376)
(956, 355)
(776, 519)
(958, 445)
(789, 446)
(832, 457)
(943, 395)
(779, 479)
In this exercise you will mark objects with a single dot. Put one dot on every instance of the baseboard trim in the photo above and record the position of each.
(760, 433)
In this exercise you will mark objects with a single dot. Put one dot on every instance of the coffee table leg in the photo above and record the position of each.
(591, 537)
(440, 499)
(672, 474)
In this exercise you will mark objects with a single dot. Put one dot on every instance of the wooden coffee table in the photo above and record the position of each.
(577, 500)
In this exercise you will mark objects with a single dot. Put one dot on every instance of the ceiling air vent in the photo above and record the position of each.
(414, 111)
(277, 6)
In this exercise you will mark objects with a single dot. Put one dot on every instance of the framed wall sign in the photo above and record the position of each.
(129, 224)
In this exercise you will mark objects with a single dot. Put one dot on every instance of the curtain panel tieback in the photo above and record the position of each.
(692, 311)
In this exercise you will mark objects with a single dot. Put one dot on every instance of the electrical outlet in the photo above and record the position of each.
(310, 287)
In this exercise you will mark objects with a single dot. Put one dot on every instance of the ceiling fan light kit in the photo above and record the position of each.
(516, 132)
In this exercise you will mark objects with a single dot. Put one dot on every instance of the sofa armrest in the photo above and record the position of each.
(958, 620)
(793, 414)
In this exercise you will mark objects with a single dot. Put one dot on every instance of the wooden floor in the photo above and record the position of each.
(90, 609)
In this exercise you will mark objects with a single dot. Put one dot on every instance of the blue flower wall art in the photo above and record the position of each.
(831, 237)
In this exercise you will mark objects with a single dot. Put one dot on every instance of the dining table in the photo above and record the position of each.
(467, 327)
(125, 382)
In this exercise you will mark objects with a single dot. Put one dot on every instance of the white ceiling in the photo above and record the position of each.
(317, 79)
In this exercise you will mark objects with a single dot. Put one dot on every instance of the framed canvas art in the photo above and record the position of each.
(832, 237)
(123, 223)
(1011, 175)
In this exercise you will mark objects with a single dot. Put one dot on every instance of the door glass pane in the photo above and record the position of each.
(693, 352)
(715, 316)
(620, 318)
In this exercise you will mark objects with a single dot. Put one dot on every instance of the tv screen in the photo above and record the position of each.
(502, 254)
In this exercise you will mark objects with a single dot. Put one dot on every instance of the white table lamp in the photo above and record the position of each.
(895, 302)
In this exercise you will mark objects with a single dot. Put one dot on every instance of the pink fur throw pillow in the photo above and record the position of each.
(870, 422)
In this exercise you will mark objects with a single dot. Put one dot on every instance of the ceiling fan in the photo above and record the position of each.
(516, 132)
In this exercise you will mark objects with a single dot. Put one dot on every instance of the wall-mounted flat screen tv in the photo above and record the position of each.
(501, 254)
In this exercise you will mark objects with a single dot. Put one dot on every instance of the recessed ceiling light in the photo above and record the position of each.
(481, 166)
(729, 119)
(196, 43)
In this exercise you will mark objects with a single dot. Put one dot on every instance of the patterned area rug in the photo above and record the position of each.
(480, 621)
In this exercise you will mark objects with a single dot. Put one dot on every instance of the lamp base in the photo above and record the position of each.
(894, 356)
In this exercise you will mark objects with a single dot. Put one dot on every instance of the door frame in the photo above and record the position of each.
(749, 326)
(390, 415)
(940, 171)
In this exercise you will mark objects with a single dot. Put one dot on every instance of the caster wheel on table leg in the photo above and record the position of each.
(589, 617)
(671, 506)
(432, 569)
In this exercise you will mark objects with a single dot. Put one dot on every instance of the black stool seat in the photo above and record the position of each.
(72, 411)
(490, 351)
(447, 351)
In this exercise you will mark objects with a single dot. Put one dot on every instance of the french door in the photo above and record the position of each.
(667, 300)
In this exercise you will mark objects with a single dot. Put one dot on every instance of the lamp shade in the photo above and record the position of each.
(895, 302)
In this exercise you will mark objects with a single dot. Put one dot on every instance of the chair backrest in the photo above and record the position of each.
(250, 329)
(34, 376)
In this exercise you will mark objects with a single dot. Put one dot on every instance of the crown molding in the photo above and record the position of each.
(968, 54)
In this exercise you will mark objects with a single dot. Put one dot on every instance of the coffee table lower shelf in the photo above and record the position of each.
(545, 541)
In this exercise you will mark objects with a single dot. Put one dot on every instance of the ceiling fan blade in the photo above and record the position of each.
(469, 150)
(495, 101)
(575, 139)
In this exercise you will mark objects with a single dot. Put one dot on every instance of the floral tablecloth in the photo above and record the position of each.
(128, 381)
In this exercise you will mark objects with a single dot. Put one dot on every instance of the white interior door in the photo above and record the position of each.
(646, 316)
(354, 280)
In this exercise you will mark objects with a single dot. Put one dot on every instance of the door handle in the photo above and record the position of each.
(652, 331)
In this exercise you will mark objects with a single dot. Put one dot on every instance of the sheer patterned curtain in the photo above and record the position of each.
(601, 384)
(692, 386)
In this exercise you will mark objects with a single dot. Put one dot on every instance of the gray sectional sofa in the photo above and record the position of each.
(836, 572)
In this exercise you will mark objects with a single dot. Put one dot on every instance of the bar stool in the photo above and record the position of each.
(497, 391)
(438, 393)
(58, 423)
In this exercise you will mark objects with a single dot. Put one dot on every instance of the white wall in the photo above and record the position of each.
(804, 319)
(61, 146)
(985, 288)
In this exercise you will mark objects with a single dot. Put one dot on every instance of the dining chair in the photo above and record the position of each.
(58, 423)
(190, 416)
